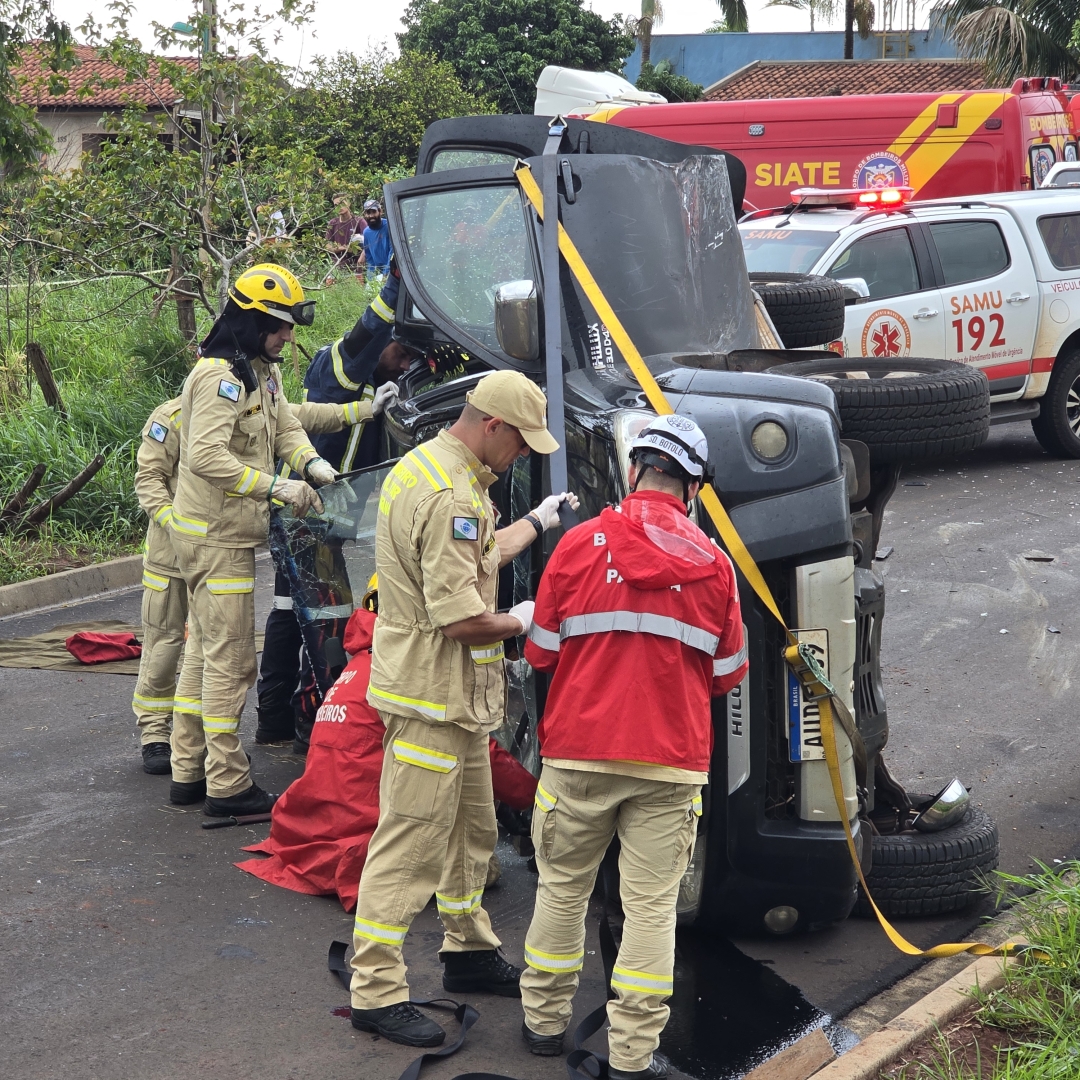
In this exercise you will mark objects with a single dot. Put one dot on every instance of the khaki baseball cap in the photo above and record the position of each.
(516, 400)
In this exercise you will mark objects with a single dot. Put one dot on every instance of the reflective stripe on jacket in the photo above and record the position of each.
(336, 374)
(155, 486)
(438, 563)
(228, 443)
(638, 638)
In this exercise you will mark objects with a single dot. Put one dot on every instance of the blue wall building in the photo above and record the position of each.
(706, 58)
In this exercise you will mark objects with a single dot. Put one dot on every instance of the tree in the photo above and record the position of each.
(662, 80)
(857, 14)
(370, 113)
(652, 14)
(499, 47)
(22, 139)
(202, 206)
(1017, 37)
(734, 16)
(823, 9)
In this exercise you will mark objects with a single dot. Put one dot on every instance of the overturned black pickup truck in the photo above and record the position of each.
(655, 223)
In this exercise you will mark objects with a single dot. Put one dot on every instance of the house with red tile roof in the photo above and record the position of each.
(97, 88)
(832, 78)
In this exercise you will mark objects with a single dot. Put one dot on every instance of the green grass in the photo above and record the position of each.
(1038, 1008)
(114, 363)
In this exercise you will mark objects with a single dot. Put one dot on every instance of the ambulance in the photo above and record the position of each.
(940, 145)
(992, 282)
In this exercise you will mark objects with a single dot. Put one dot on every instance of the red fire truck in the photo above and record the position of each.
(941, 145)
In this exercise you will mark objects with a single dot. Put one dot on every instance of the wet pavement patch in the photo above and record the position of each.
(730, 1013)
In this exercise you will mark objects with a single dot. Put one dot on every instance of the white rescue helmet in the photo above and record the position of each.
(674, 445)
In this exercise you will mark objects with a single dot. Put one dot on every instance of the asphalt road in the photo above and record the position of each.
(133, 948)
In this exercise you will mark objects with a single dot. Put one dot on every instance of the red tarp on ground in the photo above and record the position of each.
(322, 824)
(95, 647)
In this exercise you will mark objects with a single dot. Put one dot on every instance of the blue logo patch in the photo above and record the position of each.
(228, 390)
(157, 432)
(880, 170)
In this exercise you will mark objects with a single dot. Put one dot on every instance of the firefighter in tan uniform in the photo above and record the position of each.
(437, 681)
(164, 600)
(236, 423)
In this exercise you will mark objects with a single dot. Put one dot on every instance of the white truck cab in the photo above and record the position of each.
(991, 281)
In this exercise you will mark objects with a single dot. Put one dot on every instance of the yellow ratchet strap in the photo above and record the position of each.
(799, 659)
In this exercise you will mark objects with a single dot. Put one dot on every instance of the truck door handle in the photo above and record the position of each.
(1017, 298)
(924, 313)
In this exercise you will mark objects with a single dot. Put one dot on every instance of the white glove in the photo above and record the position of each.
(548, 510)
(523, 612)
(321, 471)
(300, 496)
(385, 396)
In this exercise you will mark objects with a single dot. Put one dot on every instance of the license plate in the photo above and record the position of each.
(804, 714)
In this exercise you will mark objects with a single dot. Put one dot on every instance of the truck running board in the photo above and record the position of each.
(1008, 412)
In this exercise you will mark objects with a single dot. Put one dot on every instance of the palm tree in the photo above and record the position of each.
(858, 15)
(1017, 37)
(652, 14)
(824, 9)
(734, 13)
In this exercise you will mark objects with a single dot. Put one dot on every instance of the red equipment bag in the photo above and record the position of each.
(321, 826)
(92, 647)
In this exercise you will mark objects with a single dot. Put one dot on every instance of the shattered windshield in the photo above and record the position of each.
(329, 558)
(663, 245)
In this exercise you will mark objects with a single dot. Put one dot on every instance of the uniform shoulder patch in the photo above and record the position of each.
(229, 390)
(157, 432)
(466, 528)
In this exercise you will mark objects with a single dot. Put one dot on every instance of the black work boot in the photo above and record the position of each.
(483, 972)
(157, 758)
(181, 794)
(543, 1045)
(252, 801)
(273, 729)
(400, 1023)
(656, 1070)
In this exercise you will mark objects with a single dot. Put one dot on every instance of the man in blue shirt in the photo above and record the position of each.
(377, 249)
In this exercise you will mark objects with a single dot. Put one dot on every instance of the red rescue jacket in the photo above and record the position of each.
(321, 826)
(637, 617)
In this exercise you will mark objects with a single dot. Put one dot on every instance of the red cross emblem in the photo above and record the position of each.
(886, 340)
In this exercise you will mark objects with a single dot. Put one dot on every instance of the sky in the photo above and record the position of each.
(358, 26)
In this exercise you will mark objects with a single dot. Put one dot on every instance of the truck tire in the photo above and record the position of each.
(1057, 427)
(931, 873)
(806, 309)
(907, 408)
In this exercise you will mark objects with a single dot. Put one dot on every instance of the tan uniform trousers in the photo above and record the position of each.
(575, 817)
(436, 833)
(219, 667)
(164, 613)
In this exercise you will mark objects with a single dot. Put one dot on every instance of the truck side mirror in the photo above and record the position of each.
(517, 324)
(855, 289)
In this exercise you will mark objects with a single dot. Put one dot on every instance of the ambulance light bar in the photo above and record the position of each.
(869, 198)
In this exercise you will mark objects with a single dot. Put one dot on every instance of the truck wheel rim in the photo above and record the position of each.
(1072, 407)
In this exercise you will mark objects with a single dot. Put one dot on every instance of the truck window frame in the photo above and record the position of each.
(932, 243)
(920, 257)
(1075, 265)
(444, 327)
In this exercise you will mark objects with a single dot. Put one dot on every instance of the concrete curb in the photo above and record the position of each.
(881, 1049)
(70, 586)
